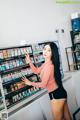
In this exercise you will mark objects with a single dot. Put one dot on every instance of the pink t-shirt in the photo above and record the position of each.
(47, 79)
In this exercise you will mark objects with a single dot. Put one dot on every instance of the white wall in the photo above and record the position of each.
(35, 20)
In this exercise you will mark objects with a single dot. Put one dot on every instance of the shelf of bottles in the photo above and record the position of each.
(75, 37)
(12, 67)
(38, 54)
(73, 57)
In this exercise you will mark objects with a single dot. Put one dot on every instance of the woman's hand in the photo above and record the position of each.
(28, 60)
(26, 81)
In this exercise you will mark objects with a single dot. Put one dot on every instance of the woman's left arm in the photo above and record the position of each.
(44, 79)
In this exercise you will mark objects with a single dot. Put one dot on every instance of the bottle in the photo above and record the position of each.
(26, 50)
(16, 52)
(18, 74)
(19, 52)
(27, 93)
(12, 53)
(17, 97)
(14, 64)
(9, 77)
(29, 90)
(3, 67)
(35, 89)
(17, 64)
(7, 65)
(29, 49)
(32, 90)
(1, 55)
(10, 65)
(7, 102)
(20, 62)
(16, 87)
(12, 88)
(22, 51)
(0, 68)
(9, 53)
(12, 76)
(23, 94)
(5, 55)
(13, 98)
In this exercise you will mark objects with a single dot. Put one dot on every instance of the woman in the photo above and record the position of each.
(51, 80)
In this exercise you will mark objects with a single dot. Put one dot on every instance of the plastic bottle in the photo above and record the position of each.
(1, 55)
(12, 53)
(9, 53)
(5, 55)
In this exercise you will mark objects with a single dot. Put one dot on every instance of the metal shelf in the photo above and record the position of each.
(16, 80)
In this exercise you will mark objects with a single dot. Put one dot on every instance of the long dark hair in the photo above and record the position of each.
(55, 61)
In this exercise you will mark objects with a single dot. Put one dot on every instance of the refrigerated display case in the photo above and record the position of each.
(12, 67)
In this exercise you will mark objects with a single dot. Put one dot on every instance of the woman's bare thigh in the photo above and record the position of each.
(58, 108)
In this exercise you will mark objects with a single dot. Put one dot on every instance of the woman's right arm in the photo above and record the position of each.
(35, 70)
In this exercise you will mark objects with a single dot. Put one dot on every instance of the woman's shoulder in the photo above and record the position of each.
(50, 66)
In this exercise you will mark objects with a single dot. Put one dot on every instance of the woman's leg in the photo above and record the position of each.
(67, 115)
(58, 108)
